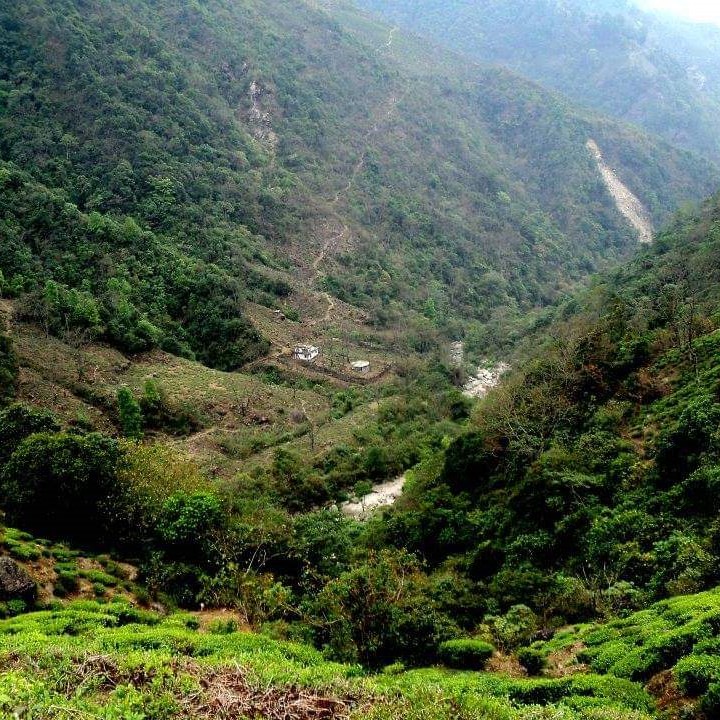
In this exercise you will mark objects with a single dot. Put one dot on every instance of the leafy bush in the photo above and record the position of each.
(18, 422)
(695, 673)
(63, 485)
(131, 420)
(514, 628)
(67, 582)
(379, 612)
(8, 370)
(223, 627)
(465, 654)
(187, 524)
(533, 660)
(710, 703)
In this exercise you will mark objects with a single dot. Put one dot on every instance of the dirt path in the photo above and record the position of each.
(627, 203)
(333, 241)
(389, 43)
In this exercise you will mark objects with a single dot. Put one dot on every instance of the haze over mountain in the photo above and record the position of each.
(656, 72)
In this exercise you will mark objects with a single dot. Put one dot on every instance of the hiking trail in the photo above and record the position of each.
(386, 112)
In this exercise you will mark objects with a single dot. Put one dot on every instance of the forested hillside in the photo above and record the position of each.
(584, 486)
(655, 72)
(588, 483)
(162, 165)
(535, 538)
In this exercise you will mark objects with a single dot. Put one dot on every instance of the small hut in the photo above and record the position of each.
(306, 353)
(361, 366)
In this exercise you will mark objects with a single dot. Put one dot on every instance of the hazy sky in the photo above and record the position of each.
(699, 10)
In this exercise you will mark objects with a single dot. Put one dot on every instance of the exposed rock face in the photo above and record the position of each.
(484, 380)
(382, 495)
(627, 203)
(15, 583)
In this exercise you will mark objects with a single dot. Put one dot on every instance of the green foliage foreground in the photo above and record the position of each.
(680, 635)
(115, 662)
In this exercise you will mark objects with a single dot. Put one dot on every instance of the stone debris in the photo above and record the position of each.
(15, 583)
(484, 380)
(626, 202)
(382, 495)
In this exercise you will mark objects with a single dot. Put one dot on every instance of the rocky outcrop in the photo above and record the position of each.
(484, 380)
(15, 583)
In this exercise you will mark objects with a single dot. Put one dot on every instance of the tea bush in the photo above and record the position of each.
(465, 654)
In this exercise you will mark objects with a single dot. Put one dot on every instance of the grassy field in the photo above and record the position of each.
(238, 418)
(115, 662)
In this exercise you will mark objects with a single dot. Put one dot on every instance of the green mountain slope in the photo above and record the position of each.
(163, 165)
(589, 483)
(642, 68)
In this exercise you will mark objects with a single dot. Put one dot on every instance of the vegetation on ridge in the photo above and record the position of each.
(163, 166)
(635, 65)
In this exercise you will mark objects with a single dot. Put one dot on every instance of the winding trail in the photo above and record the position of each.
(389, 43)
(626, 202)
(332, 242)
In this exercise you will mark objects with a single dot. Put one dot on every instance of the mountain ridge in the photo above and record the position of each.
(267, 153)
(613, 57)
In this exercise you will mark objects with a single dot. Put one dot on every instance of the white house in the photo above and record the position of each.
(306, 353)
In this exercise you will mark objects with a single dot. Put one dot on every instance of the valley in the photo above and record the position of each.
(359, 359)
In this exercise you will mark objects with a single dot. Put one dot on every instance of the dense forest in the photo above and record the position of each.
(643, 68)
(187, 190)
(196, 154)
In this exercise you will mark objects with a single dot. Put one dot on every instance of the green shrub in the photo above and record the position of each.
(534, 661)
(8, 370)
(143, 597)
(607, 688)
(24, 552)
(188, 523)
(67, 582)
(16, 607)
(223, 627)
(18, 422)
(465, 654)
(660, 652)
(515, 628)
(131, 419)
(397, 668)
(695, 673)
(63, 485)
(710, 704)
(97, 577)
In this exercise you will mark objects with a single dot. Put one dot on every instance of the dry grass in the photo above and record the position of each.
(564, 662)
(228, 694)
(506, 665)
